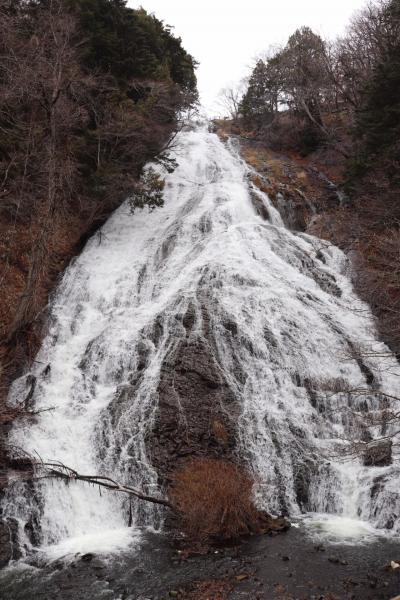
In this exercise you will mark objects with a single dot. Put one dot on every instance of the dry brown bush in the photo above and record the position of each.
(206, 590)
(214, 499)
(220, 432)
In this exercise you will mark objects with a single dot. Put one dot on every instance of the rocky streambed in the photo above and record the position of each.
(292, 566)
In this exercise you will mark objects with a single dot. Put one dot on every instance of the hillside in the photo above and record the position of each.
(90, 90)
(323, 111)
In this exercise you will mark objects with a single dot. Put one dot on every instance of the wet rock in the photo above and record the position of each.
(337, 561)
(87, 557)
(378, 454)
(302, 480)
(9, 547)
(189, 318)
(357, 354)
(292, 208)
(259, 206)
(327, 283)
(197, 411)
(270, 337)
(230, 326)
(312, 393)
(32, 529)
(272, 525)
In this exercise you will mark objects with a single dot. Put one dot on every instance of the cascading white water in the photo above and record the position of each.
(295, 323)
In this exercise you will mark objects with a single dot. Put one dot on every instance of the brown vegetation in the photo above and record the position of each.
(205, 590)
(220, 432)
(367, 229)
(214, 498)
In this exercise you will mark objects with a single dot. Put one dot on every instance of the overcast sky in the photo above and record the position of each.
(225, 36)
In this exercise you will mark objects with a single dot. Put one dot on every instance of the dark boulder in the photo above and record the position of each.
(9, 547)
(197, 411)
(378, 454)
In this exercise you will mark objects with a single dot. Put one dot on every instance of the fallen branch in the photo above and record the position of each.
(60, 471)
(8, 414)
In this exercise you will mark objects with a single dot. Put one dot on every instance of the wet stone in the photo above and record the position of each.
(378, 454)
(9, 547)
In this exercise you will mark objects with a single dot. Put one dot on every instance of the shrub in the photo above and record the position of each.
(214, 499)
(148, 191)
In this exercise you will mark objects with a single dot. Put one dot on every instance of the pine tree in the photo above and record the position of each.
(378, 121)
(260, 100)
(131, 44)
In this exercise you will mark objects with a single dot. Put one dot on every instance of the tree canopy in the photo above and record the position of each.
(378, 118)
(90, 90)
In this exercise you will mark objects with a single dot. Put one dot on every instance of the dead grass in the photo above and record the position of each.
(206, 590)
(265, 160)
(257, 157)
(214, 499)
(220, 432)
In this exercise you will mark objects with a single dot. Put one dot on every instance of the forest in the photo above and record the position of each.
(90, 90)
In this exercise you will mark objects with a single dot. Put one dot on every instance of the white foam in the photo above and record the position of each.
(341, 530)
(110, 541)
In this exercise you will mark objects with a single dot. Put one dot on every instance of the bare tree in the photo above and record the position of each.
(40, 113)
(229, 99)
(353, 56)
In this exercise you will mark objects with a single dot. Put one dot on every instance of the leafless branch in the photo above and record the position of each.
(58, 470)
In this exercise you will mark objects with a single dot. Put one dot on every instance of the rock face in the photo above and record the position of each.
(9, 547)
(197, 412)
(378, 454)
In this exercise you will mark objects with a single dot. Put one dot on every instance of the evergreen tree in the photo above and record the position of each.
(303, 73)
(131, 43)
(260, 100)
(378, 122)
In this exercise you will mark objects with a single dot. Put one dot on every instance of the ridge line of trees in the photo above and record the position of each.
(343, 93)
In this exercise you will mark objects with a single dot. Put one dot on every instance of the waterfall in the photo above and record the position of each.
(285, 330)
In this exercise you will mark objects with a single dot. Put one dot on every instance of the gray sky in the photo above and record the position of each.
(225, 36)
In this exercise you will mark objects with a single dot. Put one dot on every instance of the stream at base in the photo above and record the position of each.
(291, 565)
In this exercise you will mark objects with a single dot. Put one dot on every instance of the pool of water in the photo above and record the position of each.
(334, 529)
